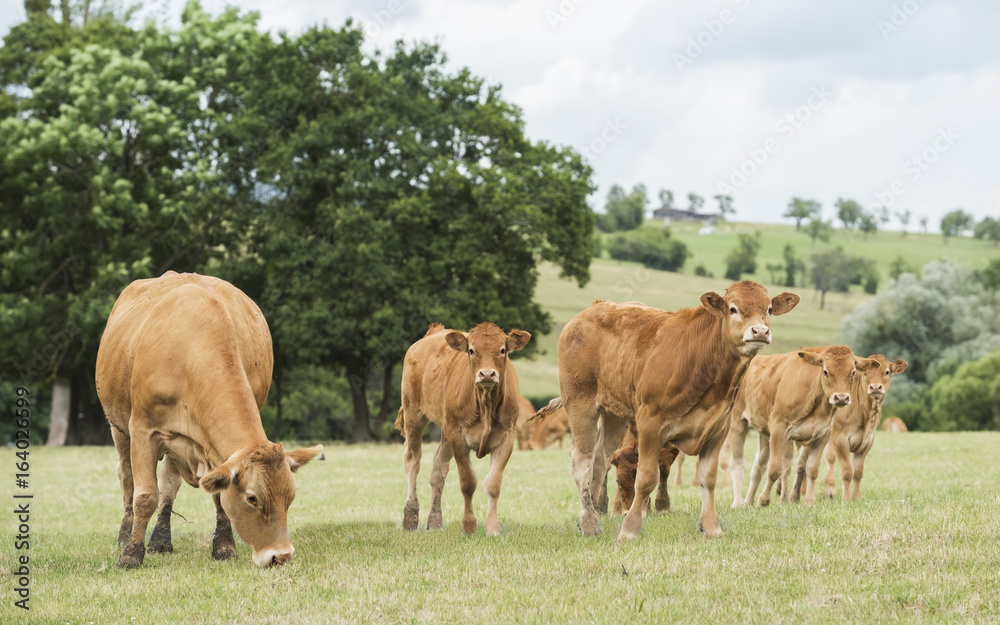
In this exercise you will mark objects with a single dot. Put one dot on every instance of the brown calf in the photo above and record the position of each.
(853, 429)
(527, 411)
(466, 384)
(894, 424)
(670, 375)
(183, 368)
(550, 429)
(789, 398)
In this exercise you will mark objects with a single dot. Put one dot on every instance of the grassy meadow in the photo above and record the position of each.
(921, 546)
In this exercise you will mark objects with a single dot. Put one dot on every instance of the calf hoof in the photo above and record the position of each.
(224, 551)
(434, 521)
(630, 528)
(132, 557)
(662, 505)
(469, 524)
(410, 517)
(588, 523)
(160, 541)
(763, 503)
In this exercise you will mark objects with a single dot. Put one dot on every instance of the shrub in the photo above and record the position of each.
(743, 258)
(651, 247)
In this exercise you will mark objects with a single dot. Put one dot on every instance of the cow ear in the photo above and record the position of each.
(219, 479)
(866, 364)
(811, 358)
(898, 366)
(457, 340)
(785, 302)
(300, 457)
(517, 339)
(714, 303)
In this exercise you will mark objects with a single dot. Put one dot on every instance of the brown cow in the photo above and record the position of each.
(853, 429)
(671, 374)
(789, 398)
(467, 385)
(626, 462)
(550, 429)
(182, 371)
(894, 424)
(527, 411)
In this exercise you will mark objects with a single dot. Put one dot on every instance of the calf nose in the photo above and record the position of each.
(760, 333)
(841, 399)
(876, 389)
(281, 558)
(486, 375)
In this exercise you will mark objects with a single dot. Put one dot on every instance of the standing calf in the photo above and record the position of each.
(466, 384)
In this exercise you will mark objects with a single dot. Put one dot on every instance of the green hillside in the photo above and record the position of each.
(806, 325)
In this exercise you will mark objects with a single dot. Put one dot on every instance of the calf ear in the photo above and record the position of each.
(811, 358)
(785, 302)
(219, 479)
(898, 366)
(714, 303)
(300, 457)
(457, 340)
(866, 364)
(517, 339)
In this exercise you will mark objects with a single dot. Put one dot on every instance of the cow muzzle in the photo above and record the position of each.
(272, 556)
(487, 377)
(876, 389)
(840, 399)
(757, 336)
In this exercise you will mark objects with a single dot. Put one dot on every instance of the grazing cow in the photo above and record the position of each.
(853, 429)
(182, 371)
(789, 398)
(527, 411)
(626, 462)
(549, 428)
(894, 424)
(467, 385)
(671, 375)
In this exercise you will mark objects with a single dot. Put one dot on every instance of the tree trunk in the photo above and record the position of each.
(59, 423)
(822, 299)
(359, 388)
(386, 404)
(87, 425)
(277, 393)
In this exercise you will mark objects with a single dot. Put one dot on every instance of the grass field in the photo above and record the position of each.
(921, 546)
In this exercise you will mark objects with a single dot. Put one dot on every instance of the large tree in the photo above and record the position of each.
(955, 223)
(800, 210)
(848, 212)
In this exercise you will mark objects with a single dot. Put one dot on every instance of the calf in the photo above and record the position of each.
(626, 461)
(527, 411)
(549, 429)
(789, 398)
(853, 429)
(894, 424)
(670, 375)
(466, 384)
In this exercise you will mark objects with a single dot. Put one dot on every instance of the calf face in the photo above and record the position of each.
(839, 366)
(746, 311)
(256, 488)
(877, 379)
(487, 347)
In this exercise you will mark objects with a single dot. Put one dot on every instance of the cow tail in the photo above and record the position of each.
(399, 422)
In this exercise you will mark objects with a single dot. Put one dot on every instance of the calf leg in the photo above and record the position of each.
(776, 443)
(646, 476)
(708, 472)
(223, 544)
(667, 456)
(498, 461)
(601, 497)
(582, 423)
(609, 439)
(680, 463)
(144, 498)
(725, 456)
(467, 481)
(124, 470)
(736, 441)
(813, 456)
(859, 469)
(442, 461)
(169, 483)
(787, 460)
(413, 429)
(830, 482)
(842, 450)
(761, 460)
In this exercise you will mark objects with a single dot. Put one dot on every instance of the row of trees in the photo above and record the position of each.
(626, 211)
(356, 197)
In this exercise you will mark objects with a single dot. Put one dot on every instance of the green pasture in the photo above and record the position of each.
(921, 546)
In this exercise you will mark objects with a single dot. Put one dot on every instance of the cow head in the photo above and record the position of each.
(746, 312)
(256, 487)
(877, 379)
(487, 347)
(839, 366)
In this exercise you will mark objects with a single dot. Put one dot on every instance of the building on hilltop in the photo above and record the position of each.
(668, 214)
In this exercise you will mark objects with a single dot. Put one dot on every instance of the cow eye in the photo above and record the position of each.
(826, 373)
(252, 499)
(770, 311)
(472, 352)
(887, 372)
(503, 350)
(733, 310)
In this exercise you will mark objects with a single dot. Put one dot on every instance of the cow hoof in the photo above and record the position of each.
(588, 523)
(469, 525)
(434, 521)
(160, 541)
(763, 503)
(224, 552)
(131, 557)
(411, 518)
(125, 532)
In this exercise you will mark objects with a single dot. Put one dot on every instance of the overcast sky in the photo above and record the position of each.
(882, 101)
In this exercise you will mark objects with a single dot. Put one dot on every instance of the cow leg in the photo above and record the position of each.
(610, 438)
(842, 450)
(736, 441)
(498, 462)
(582, 415)
(413, 429)
(708, 472)
(776, 454)
(680, 463)
(601, 497)
(223, 544)
(830, 482)
(467, 481)
(725, 457)
(859, 469)
(169, 483)
(761, 460)
(144, 498)
(800, 471)
(124, 470)
(646, 475)
(787, 460)
(667, 456)
(442, 461)
(814, 455)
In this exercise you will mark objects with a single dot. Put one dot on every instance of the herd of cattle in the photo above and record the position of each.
(185, 364)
